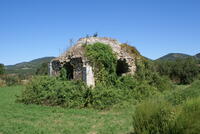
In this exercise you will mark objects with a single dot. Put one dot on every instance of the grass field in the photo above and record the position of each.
(17, 118)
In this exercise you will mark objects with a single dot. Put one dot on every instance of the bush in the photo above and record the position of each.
(155, 117)
(63, 74)
(49, 91)
(181, 71)
(42, 69)
(181, 95)
(161, 115)
(2, 83)
(103, 98)
(53, 91)
(146, 73)
(188, 121)
(143, 91)
(103, 60)
(2, 69)
(11, 80)
(135, 90)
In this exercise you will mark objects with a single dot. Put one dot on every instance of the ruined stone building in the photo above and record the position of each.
(79, 67)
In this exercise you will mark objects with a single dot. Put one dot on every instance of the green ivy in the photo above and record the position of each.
(103, 60)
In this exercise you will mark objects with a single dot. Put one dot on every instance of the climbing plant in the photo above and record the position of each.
(103, 60)
(63, 74)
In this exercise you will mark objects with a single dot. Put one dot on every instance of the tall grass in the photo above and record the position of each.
(175, 113)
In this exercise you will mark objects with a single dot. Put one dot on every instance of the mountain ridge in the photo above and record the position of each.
(174, 56)
(28, 67)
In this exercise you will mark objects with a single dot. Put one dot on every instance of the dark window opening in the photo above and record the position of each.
(122, 67)
(69, 70)
(56, 65)
(77, 68)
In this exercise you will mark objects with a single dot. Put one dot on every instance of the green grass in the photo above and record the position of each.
(17, 118)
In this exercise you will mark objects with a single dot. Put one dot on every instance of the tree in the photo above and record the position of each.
(181, 71)
(42, 70)
(2, 69)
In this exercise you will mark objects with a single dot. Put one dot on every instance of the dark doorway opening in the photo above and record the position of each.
(122, 67)
(69, 70)
(56, 65)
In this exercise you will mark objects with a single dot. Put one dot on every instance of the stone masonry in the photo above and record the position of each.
(79, 67)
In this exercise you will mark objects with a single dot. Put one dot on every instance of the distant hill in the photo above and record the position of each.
(27, 67)
(174, 56)
(197, 55)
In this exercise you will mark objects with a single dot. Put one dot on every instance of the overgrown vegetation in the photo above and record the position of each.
(180, 71)
(110, 89)
(42, 69)
(160, 107)
(130, 49)
(17, 118)
(21, 73)
(146, 72)
(179, 96)
(155, 117)
(188, 121)
(104, 62)
(174, 113)
(2, 69)
(10, 80)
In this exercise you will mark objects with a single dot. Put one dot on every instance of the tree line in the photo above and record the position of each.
(180, 71)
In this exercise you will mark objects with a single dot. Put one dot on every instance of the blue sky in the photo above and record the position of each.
(32, 29)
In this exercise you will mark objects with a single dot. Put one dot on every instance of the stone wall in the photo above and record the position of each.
(81, 68)
(90, 80)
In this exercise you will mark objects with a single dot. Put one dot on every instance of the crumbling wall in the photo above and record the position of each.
(77, 68)
(90, 80)
(82, 70)
(54, 68)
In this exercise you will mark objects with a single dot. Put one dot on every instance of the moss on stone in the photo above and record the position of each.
(130, 49)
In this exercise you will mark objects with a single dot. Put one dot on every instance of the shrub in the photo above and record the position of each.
(2, 69)
(103, 98)
(63, 74)
(181, 71)
(181, 95)
(162, 115)
(162, 83)
(11, 80)
(155, 117)
(2, 83)
(188, 121)
(126, 82)
(46, 90)
(146, 72)
(42, 69)
(103, 60)
(53, 91)
(134, 90)
(143, 91)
